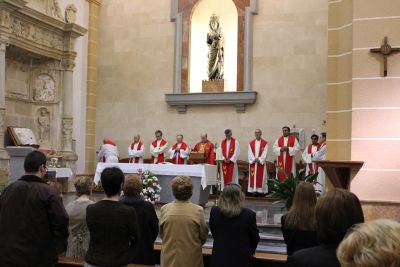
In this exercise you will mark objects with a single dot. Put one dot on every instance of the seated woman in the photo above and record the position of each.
(374, 243)
(234, 230)
(113, 226)
(147, 219)
(78, 240)
(335, 213)
(298, 225)
(183, 228)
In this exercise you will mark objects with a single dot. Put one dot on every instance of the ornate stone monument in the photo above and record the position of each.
(36, 66)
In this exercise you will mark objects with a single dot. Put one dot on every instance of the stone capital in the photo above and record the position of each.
(4, 42)
(68, 64)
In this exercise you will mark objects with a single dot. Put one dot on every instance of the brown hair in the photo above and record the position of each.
(231, 200)
(182, 187)
(83, 185)
(302, 212)
(337, 211)
(133, 185)
(375, 243)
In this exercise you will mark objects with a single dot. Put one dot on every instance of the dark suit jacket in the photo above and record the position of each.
(296, 239)
(148, 226)
(33, 224)
(319, 256)
(235, 239)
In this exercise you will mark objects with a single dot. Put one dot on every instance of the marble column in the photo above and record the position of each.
(90, 150)
(4, 157)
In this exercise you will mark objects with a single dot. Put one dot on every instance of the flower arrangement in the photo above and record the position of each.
(151, 188)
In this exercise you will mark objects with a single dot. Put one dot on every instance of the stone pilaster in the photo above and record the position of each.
(4, 157)
(90, 150)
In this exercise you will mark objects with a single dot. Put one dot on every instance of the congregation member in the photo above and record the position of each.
(206, 147)
(298, 225)
(234, 230)
(78, 240)
(157, 148)
(179, 152)
(230, 153)
(311, 166)
(320, 155)
(257, 156)
(136, 150)
(285, 149)
(335, 213)
(374, 243)
(183, 228)
(33, 221)
(113, 226)
(108, 152)
(147, 219)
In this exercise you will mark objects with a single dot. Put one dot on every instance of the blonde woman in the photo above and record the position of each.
(234, 230)
(78, 240)
(375, 243)
(298, 225)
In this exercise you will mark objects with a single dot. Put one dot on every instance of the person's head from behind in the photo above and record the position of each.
(336, 212)
(83, 185)
(35, 164)
(231, 200)
(133, 185)
(375, 243)
(182, 187)
(301, 214)
(112, 180)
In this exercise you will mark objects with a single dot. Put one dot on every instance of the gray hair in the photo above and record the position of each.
(231, 200)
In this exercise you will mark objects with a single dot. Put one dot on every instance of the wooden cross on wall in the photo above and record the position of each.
(385, 50)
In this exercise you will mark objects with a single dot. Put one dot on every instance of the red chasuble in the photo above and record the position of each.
(260, 167)
(208, 151)
(107, 142)
(135, 159)
(227, 168)
(311, 169)
(177, 156)
(160, 158)
(287, 167)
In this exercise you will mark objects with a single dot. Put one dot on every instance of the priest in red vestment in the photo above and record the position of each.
(230, 153)
(257, 156)
(285, 149)
(136, 150)
(308, 155)
(108, 152)
(157, 148)
(206, 147)
(179, 152)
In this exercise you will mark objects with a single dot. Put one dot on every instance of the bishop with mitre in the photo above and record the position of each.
(257, 156)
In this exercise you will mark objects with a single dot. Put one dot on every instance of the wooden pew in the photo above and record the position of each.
(70, 262)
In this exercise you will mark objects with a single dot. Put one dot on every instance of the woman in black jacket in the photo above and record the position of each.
(234, 230)
(147, 219)
(298, 225)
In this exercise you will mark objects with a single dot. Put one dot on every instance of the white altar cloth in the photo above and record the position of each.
(62, 172)
(208, 173)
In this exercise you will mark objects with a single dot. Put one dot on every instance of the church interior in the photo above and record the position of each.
(76, 72)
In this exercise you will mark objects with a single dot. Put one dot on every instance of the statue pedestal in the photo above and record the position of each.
(213, 86)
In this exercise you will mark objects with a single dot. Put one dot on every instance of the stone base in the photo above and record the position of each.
(213, 86)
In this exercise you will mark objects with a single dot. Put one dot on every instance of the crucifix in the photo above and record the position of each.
(385, 50)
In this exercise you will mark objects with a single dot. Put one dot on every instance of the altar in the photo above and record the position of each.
(203, 176)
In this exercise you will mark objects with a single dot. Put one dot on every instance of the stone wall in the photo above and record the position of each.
(136, 70)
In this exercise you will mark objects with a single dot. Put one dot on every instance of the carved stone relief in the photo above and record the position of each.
(44, 88)
(5, 18)
(17, 79)
(70, 13)
(43, 125)
(67, 134)
(56, 10)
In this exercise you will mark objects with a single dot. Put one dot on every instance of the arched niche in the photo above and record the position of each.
(199, 27)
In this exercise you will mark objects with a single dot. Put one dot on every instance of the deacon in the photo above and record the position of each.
(108, 152)
(136, 150)
(320, 155)
(206, 147)
(257, 156)
(230, 153)
(157, 148)
(285, 148)
(179, 152)
(308, 155)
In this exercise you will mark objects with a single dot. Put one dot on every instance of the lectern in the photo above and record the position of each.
(340, 172)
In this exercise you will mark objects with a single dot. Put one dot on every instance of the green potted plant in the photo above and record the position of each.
(284, 190)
